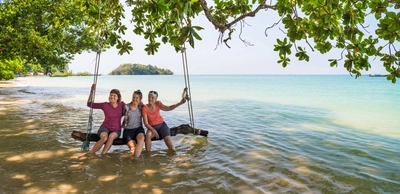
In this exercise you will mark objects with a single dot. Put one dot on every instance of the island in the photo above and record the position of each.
(139, 69)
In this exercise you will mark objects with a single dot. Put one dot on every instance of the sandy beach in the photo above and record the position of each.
(6, 84)
(29, 157)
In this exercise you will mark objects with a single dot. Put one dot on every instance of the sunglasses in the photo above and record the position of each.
(138, 92)
(153, 92)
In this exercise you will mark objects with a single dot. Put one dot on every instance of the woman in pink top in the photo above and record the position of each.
(110, 129)
(154, 122)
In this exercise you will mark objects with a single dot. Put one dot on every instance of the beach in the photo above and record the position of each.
(267, 134)
(24, 156)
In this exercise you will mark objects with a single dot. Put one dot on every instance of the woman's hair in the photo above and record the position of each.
(154, 93)
(138, 92)
(116, 91)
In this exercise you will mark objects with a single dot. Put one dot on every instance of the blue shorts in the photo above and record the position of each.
(162, 130)
(130, 134)
(108, 131)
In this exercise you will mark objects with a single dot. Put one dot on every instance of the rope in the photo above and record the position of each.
(187, 89)
(85, 145)
(95, 77)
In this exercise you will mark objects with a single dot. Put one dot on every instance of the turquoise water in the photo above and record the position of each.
(268, 134)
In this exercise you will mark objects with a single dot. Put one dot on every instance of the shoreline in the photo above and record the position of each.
(7, 84)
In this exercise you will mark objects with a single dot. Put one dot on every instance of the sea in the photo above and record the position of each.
(267, 134)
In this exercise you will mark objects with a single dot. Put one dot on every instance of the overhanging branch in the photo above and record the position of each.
(223, 27)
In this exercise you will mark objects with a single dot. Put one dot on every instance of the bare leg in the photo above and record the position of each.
(100, 143)
(168, 142)
(109, 142)
(149, 135)
(131, 145)
(139, 145)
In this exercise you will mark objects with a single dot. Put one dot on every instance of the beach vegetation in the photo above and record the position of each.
(85, 73)
(60, 73)
(50, 33)
(139, 69)
(33, 69)
(9, 67)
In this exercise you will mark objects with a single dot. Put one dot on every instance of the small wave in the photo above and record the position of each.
(58, 107)
(25, 91)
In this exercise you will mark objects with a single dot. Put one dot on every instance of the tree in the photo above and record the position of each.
(316, 25)
(9, 67)
(50, 33)
(34, 68)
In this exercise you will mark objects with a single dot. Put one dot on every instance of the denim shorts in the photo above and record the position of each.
(108, 131)
(162, 130)
(130, 134)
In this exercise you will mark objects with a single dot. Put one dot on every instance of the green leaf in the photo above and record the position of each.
(191, 41)
(279, 42)
(195, 34)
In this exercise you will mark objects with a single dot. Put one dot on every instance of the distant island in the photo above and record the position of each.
(124, 69)
(139, 69)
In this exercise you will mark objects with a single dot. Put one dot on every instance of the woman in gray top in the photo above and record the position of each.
(133, 126)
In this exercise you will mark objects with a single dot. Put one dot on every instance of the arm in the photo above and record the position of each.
(90, 102)
(92, 89)
(141, 104)
(148, 126)
(125, 111)
(172, 107)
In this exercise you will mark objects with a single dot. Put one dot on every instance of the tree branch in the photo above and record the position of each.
(210, 18)
(223, 27)
(251, 14)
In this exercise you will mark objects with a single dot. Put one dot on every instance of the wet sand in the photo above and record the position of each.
(30, 160)
(6, 84)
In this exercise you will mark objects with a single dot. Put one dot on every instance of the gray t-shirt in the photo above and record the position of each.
(135, 119)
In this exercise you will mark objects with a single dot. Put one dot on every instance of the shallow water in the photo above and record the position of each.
(268, 134)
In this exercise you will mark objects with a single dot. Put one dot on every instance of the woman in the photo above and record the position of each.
(133, 127)
(110, 129)
(154, 122)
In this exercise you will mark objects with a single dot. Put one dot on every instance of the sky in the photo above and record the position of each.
(210, 58)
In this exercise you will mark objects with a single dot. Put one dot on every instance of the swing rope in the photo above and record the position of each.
(85, 144)
(186, 93)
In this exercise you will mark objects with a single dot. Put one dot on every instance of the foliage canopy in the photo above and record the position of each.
(316, 25)
(50, 33)
(8, 67)
(61, 29)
